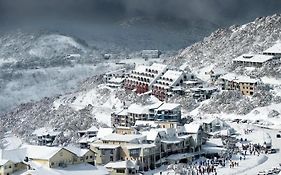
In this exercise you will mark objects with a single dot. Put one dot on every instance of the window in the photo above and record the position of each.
(87, 157)
(120, 170)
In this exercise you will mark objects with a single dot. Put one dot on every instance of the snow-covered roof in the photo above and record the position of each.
(93, 129)
(14, 155)
(155, 105)
(146, 123)
(204, 89)
(168, 106)
(192, 128)
(141, 68)
(3, 162)
(116, 71)
(158, 67)
(192, 82)
(137, 109)
(122, 164)
(276, 48)
(117, 80)
(41, 152)
(105, 146)
(171, 141)
(123, 112)
(87, 139)
(256, 58)
(238, 78)
(139, 146)
(104, 132)
(77, 151)
(122, 138)
(46, 131)
(172, 74)
(150, 135)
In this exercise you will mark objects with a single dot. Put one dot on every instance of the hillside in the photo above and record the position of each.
(218, 49)
(93, 102)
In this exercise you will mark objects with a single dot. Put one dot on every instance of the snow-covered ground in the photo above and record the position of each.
(11, 141)
(80, 169)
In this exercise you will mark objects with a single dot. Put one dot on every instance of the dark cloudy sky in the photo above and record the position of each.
(214, 10)
(164, 23)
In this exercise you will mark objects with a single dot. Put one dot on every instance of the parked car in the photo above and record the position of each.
(262, 173)
(271, 151)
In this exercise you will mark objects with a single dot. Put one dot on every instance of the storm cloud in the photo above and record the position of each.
(218, 11)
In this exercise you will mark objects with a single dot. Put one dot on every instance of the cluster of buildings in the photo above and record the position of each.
(127, 116)
(159, 80)
(49, 156)
(164, 82)
(245, 84)
(121, 150)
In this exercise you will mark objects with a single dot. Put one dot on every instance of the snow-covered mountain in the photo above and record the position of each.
(218, 49)
(215, 51)
(40, 64)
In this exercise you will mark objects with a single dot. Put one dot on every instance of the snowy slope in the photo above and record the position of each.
(218, 49)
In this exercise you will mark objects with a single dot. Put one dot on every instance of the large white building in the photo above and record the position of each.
(275, 50)
(165, 83)
(254, 60)
(143, 77)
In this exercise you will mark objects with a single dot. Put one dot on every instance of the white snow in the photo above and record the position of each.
(11, 141)
(85, 169)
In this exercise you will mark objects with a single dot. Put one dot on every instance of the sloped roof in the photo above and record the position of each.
(122, 164)
(168, 106)
(192, 127)
(41, 152)
(92, 129)
(276, 48)
(78, 151)
(238, 78)
(146, 123)
(137, 109)
(104, 132)
(122, 138)
(257, 58)
(3, 161)
(151, 135)
(14, 155)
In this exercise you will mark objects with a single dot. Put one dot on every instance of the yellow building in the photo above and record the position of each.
(244, 84)
(16, 156)
(50, 156)
(83, 155)
(124, 130)
(6, 167)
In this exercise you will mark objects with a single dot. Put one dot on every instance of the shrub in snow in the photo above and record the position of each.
(273, 114)
(262, 97)
(227, 102)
